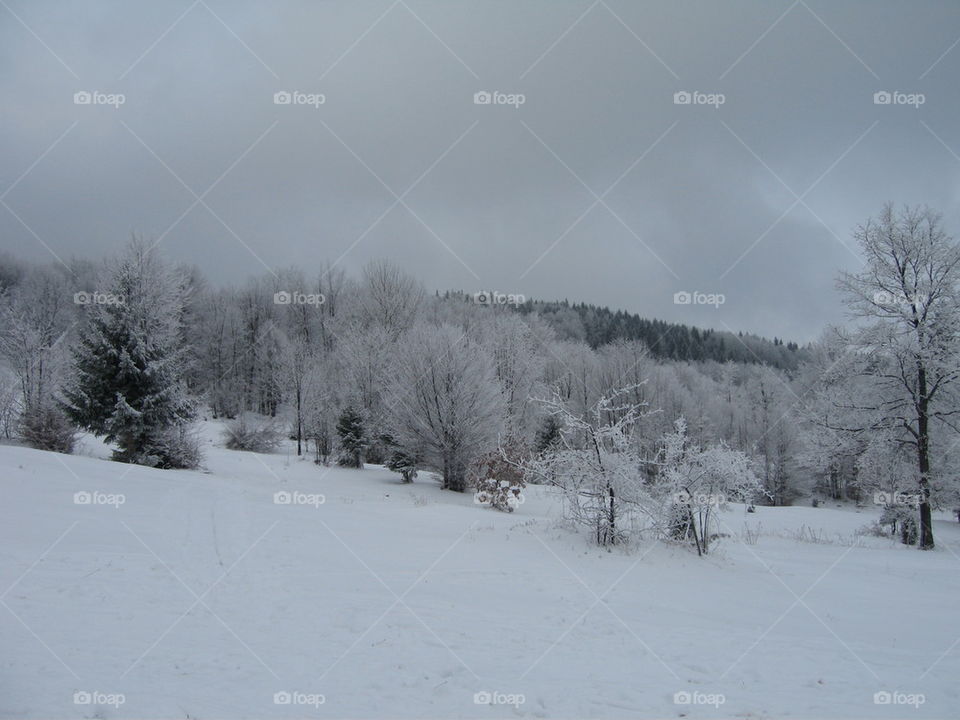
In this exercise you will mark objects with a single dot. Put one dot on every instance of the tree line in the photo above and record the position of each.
(373, 369)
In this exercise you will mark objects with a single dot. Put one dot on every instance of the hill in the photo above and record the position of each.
(201, 596)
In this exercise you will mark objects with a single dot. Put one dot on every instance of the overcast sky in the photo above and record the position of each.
(598, 187)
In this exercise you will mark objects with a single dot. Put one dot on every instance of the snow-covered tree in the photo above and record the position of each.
(390, 297)
(445, 399)
(693, 484)
(518, 361)
(129, 363)
(769, 400)
(352, 437)
(35, 319)
(363, 355)
(597, 464)
(295, 359)
(907, 299)
(401, 460)
(319, 404)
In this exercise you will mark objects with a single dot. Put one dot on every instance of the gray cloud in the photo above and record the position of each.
(507, 185)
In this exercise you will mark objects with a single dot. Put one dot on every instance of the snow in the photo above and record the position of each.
(200, 597)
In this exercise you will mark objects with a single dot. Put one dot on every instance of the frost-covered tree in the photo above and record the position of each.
(773, 439)
(907, 347)
(129, 363)
(597, 464)
(295, 359)
(319, 405)
(36, 316)
(693, 484)
(828, 387)
(363, 356)
(445, 399)
(390, 298)
(516, 350)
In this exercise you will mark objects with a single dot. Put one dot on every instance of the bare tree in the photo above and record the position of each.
(390, 297)
(907, 298)
(33, 319)
(445, 400)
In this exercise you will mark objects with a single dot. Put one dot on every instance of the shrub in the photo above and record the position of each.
(253, 434)
(47, 428)
(499, 478)
(178, 449)
(903, 516)
(501, 494)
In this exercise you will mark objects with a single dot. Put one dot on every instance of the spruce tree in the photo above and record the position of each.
(128, 365)
(353, 438)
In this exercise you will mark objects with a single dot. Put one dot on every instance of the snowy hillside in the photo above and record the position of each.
(199, 595)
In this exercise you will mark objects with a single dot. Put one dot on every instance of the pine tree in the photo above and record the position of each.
(353, 438)
(548, 434)
(129, 363)
(404, 463)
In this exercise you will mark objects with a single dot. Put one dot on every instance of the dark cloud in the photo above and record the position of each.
(754, 199)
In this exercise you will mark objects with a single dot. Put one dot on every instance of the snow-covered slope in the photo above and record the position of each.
(196, 595)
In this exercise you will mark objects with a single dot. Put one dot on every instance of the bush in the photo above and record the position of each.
(874, 529)
(499, 477)
(505, 495)
(46, 428)
(903, 516)
(252, 434)
(176, 449)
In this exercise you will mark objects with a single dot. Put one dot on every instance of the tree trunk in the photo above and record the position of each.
(612, 516)
(923, 460)
(299, 423)
(457, 476)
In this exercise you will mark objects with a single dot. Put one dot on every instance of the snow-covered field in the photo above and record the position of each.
(201, 597)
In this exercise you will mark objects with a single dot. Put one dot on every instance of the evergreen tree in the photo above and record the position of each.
(128, 365)
(353, 438)
(403, 462)
(400, 459)
(548, 434)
